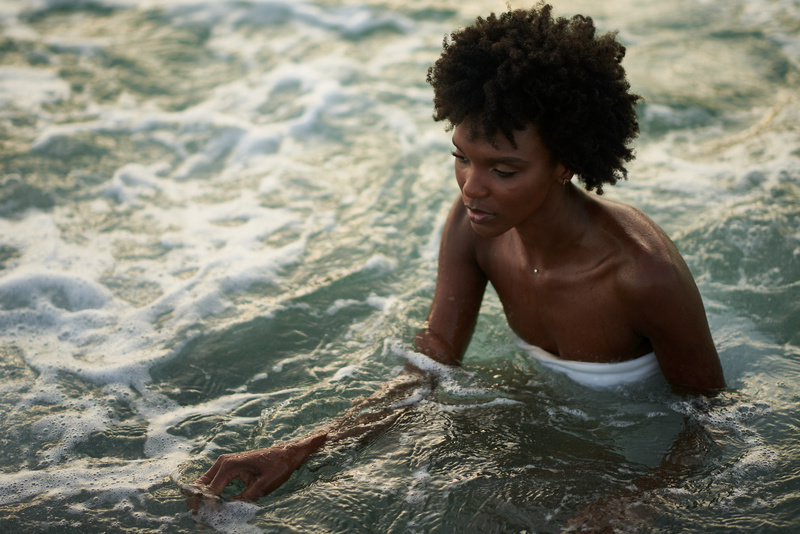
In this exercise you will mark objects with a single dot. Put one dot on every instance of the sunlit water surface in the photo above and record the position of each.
(219, 225)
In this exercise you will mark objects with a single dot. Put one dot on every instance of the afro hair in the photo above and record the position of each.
(525, 67)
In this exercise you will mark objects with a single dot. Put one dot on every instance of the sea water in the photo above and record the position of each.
(219, 224)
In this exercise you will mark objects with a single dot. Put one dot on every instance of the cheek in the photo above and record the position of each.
(516, 200)
(460, 178)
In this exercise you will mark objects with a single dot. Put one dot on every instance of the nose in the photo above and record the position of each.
(472, 184)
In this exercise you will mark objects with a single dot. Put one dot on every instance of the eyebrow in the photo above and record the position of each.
(508, 160)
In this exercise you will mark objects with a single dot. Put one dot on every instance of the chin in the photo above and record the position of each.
(484, 230)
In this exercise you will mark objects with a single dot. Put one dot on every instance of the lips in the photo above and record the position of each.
(477, 216)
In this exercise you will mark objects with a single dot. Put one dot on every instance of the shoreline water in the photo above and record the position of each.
(219, 224)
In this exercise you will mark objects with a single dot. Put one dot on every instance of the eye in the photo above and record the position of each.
(459, 157)
(503, 174)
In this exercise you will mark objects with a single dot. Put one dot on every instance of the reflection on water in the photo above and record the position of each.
(219, 224)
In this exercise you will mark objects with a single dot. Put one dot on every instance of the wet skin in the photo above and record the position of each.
(578, 275)
(583, 277)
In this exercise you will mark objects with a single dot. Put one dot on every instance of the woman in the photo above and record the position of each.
(590, 286)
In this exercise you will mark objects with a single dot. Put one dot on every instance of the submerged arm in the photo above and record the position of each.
(264, 470)
(671, 315)
(634, 507)
(451, 321)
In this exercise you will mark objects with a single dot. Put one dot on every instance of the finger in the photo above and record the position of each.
(247, 477)
(254, 491)
(265, 483)
(220, 482)
(193, 503)
(228, 470)
(216, 479)
(209, 475)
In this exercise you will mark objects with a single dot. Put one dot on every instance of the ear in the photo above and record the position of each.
(563, 173)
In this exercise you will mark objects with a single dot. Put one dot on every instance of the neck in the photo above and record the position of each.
(554, 232)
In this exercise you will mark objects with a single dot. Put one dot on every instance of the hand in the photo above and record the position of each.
(262, 470)
(613, 513)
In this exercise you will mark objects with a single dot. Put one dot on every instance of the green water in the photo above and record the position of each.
(219, 224)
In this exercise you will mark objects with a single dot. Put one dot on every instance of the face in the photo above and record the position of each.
(501, 186)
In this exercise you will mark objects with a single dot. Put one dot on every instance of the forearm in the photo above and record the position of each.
(633, 505)
(690, 449)
(264, 470)
(370, 416)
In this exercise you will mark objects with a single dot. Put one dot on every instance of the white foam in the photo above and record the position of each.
(574, 412)
(125, 269)
(26, 87)
(420, 360)
(341, 304)
(64, 320)
(348, 371)
(454, 381)
(380, 264)
(47, 289)
(81, 476)
(230, 517)
(759, 457)
(501, 401)
(383, 304)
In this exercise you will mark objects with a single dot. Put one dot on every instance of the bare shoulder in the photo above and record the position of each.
(457, 225)
(460, 242)
(460, 285)
(663, 301)
(651, 263)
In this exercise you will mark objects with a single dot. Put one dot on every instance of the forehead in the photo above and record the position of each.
(526, 140)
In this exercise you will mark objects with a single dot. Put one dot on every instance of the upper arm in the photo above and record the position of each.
(669, 312)
(460, 286)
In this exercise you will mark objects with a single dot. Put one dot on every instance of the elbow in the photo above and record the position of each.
(433, 346)
(707, 384)
(698, 390)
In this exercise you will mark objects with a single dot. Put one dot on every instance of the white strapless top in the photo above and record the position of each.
(593, 374)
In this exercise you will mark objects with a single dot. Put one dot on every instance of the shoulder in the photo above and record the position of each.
(459, 250)
(457, 235)
(650, 262)
(664, 303)
(650, 277)
(457, 219)
(460, 285)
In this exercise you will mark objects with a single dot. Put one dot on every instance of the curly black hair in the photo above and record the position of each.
(525, 67)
